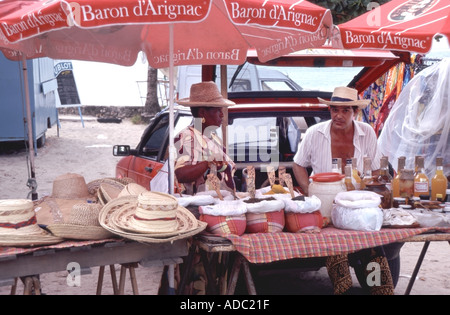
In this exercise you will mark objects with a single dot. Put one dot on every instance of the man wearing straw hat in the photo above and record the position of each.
(343, 137)
(199, 149)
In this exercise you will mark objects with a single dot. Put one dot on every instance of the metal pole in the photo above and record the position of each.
(172, 152)
(32, 179)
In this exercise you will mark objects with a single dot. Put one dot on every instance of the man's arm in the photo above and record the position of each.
(301, 175)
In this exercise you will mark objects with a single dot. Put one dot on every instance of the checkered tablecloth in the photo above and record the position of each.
(269, 247)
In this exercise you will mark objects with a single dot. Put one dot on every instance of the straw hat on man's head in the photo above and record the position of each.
(345, 96)
(205, 94)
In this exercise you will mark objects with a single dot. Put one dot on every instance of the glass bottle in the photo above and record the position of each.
(380, 188)
(396, 179)
(439, 181)
(406, 184)
(384, 176)
(367, 173)
(348, 178)
(421, 181)
(336, 165)
(355, 176)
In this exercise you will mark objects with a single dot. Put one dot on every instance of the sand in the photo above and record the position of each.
(88, 151)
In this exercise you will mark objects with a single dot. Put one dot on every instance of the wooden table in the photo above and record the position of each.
(47, 259)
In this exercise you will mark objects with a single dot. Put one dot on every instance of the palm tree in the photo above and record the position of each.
(152, 106)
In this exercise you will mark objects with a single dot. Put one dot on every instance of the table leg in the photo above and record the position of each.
(14, 287)
(210, 279)
(417, 268)
(101, 273)
(112, 270)
(188, 265)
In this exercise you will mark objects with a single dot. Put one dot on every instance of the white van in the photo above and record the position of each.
(240, 78)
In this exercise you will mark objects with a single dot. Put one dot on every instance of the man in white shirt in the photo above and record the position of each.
(341, 137)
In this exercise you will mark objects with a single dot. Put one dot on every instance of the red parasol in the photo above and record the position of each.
(397, 25)
(171, 33)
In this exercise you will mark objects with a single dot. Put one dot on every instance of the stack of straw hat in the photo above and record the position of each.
(18, 225)
(149, 217)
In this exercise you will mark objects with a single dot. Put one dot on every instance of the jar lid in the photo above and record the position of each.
(405, 207)
(327, 177)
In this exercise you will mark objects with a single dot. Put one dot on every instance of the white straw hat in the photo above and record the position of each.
(345, 96)
(150, 217)
(18, 225)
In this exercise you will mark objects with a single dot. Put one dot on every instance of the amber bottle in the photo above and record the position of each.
(439, 182)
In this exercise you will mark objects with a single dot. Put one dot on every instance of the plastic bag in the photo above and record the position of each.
(418, 123)
(363, 219)
(225, 208)
(357, 199)
(309, 205)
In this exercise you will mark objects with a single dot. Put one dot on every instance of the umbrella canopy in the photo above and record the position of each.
(171, 33)
(204, 31)
(397, 25)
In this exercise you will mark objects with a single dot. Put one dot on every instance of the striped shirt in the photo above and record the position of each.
(315, 149)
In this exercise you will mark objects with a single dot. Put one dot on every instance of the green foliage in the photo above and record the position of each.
(344, 10)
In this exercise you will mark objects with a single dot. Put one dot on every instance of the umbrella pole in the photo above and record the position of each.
(32, 180)
(171, 115)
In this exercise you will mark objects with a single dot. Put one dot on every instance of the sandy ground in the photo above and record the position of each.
(88, 152)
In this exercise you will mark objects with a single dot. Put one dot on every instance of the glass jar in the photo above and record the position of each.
(380, 188)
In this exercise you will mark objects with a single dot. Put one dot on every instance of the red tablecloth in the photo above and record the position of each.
(269, 247)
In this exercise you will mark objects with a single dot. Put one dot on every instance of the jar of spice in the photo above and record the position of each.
(380, 188)
(406, 184)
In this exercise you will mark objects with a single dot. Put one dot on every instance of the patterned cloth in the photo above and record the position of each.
(194, 147)
(269, 247)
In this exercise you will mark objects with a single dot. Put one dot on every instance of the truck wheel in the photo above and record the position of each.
(41, 141)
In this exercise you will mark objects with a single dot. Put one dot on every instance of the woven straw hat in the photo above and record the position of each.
(345, 96)
(68, 189)
(132, 189)
(205, 94)
(107, 189)
(18, 225)
(82, 224)
(150, 217)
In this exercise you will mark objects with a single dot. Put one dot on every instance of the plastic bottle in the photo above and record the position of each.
(396, 179)
(384, 176)
(439, 181)
(421, 181)
(336, 165)
(348, 178)
(355, 176)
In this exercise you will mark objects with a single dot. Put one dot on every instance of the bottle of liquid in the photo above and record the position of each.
(348, 178)
(336, 165)
(407, 184)
(355, 176)
(367, 173)
(439, 181)
(384, 176)
(396, 179)
(421, 181)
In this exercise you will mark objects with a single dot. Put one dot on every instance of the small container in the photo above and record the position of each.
(407, 184)
(405, 207)
(398, 201)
